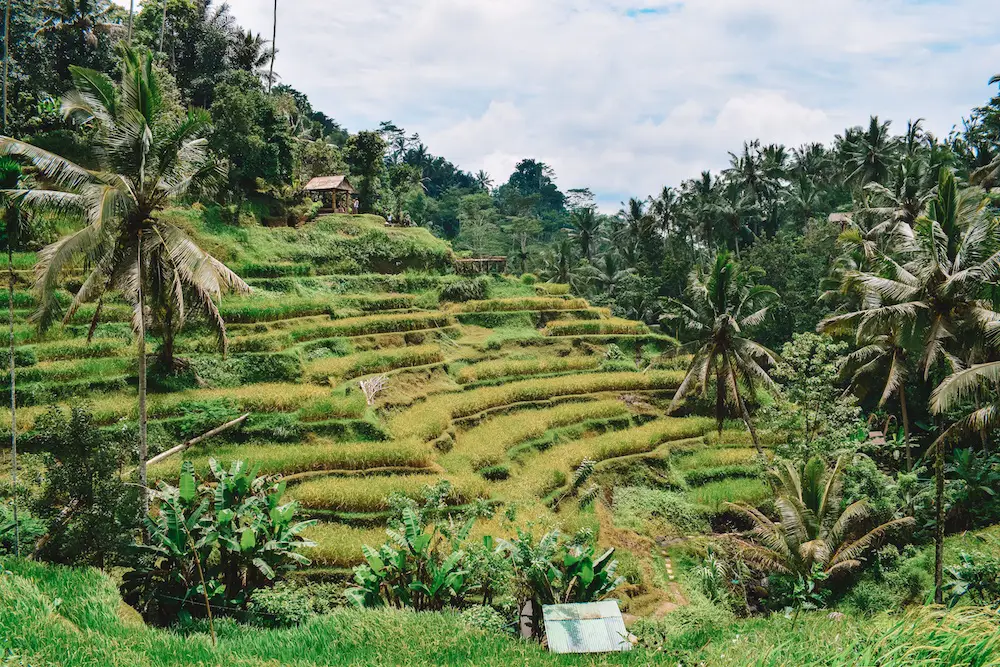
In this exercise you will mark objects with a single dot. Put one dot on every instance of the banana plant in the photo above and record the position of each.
(419, 567)
(236, 531)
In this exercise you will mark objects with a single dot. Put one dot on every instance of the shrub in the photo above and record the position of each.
(83, 466)
(529, 278)
(689, 627)
(277, 270)
(869, 598)
(619, 366)
(467, 289)
(483, 617)
(30, 529)
(495, 473)
(280, 606)
(653, 512)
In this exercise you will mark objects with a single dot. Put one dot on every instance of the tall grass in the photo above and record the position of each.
(522, 303)
(371, 494)
(594, 327)
(376, 361)
(89, 627)
(715, 495)
(313, 455)
(488, 443)
(501, 368)
(429, 419)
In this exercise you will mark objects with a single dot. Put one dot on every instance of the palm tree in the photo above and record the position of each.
(482, 179)
(665, 209)
(933, 285)
(882, 357)
(146, 162)
(15, 224)
(586, 227)
(250, 53)
(723, 304)
(274, 41)
(870, 155)
(607, 273)
(814, 532)
(6, 58)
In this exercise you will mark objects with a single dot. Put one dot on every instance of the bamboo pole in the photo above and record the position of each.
(194, 441)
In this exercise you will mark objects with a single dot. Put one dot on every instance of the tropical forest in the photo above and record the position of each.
(284, 392)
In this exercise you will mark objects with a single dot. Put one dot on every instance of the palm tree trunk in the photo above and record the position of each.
(743, 409)
(131, 13)
(6, 52)
(274, 38)
(939, 523)
(143, 447)
(906, 426)
(13, 402)
(163, 25)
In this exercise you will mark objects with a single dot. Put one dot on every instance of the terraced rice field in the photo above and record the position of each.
(503, 397)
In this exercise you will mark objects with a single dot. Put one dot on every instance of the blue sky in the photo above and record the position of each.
(627, 96)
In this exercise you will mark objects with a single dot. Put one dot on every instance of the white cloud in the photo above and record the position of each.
(625, 96)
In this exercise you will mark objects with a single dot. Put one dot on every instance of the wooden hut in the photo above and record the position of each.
(475, 265)
(334, 191)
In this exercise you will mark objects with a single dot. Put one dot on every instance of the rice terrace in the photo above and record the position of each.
(284, 393)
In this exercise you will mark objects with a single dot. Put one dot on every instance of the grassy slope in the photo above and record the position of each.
(51, 615)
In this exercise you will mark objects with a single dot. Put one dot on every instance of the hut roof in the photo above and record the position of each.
(335, 182)
(840, 218)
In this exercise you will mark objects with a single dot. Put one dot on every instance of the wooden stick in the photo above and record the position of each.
(194, 441)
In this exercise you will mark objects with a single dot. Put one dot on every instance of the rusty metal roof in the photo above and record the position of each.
(336, 182)
(592, 627)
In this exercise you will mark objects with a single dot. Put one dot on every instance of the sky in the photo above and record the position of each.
(626, 96)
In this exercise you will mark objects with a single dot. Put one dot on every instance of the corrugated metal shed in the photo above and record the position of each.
(593, 627)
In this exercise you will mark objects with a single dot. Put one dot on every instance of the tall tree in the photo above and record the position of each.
(365, 153)
(586, 229)
(722, 304)
(15, 224)
(147, 161)
(274, 41)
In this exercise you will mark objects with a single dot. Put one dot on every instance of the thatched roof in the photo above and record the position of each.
(325, 183)
(840, 218)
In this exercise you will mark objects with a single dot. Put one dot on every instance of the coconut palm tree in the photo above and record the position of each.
(146, 162)
(586, 228)
(274, 41)
(250, 53)
(606, 273)
(721, 305)
(15, 225)
(482, 179)
(933, 285)
(871, 153)
(813, 531)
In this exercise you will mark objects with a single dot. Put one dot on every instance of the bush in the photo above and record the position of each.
(486, 618)
(689, 627)
(594, 327)
(496, 473)
(869, 598)
(31, 528)
(83, 465)
(529, 279)
(618, 366)
(467, 289)
(281, 606)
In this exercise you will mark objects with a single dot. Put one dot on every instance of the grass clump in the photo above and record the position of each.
(501, 368)
(714, 495)
(656, 512)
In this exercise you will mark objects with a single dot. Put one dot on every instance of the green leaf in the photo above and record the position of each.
(188, 488)
(247, 540)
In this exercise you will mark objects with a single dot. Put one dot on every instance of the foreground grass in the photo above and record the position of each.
(73, 618)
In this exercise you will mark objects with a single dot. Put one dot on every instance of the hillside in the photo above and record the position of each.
(504, 395)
